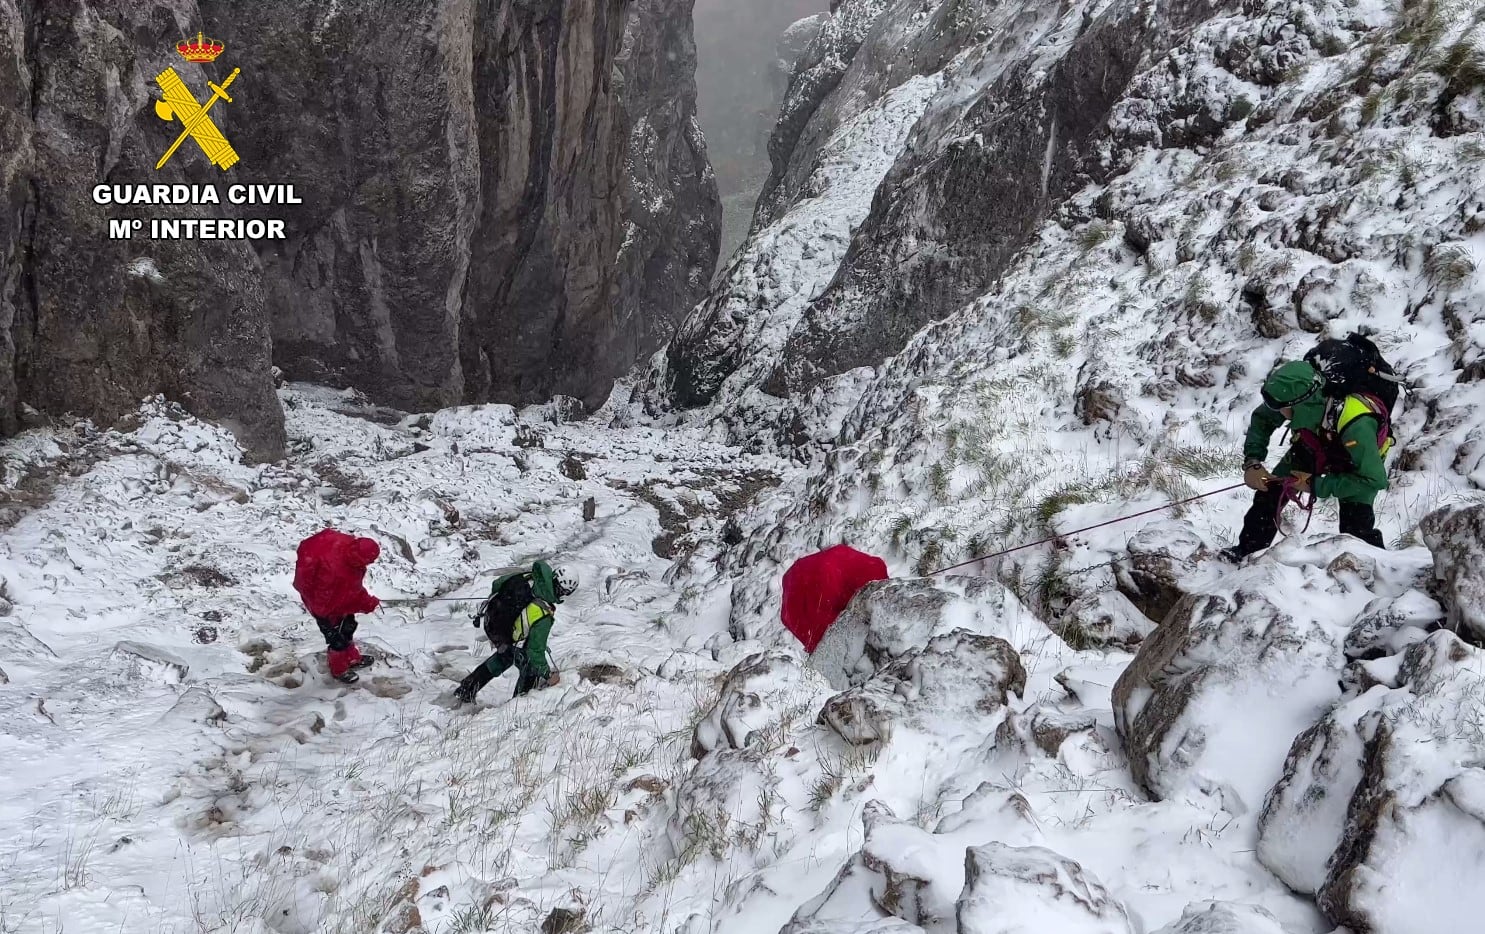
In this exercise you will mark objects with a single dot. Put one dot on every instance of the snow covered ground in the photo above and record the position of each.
(177, 759)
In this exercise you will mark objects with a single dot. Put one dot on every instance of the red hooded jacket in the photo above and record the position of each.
(330, 571)
(817, 588)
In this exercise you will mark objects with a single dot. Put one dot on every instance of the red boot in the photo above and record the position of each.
(358, 660)
(343, 663)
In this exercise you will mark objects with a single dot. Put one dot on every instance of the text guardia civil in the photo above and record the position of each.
(176, 228)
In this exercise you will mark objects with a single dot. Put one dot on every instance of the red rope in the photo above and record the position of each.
(1053, 538)
(1290, 493)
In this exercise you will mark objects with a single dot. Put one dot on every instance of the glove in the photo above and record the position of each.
(1256, 476)
(553, 681)
(1301, 482)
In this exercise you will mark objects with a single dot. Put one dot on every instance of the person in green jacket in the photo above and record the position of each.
(518, 619)
(1337, 454)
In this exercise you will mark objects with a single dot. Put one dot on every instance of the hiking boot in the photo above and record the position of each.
(348, 677)
(365, 661)
(1231, 555)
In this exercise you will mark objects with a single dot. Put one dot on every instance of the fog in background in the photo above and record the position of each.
(740, 84)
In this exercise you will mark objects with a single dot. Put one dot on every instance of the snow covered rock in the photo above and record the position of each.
(1390, 625)
(1159, 557)
(848, 926)
(1217, 693)
(1103, 619)
(890, 618)
(1225, 918)
(897, 873)
(957, 673)
(1381, 808)
(148, 663)
(724, 806)
(993, 812)
(1456, 536)
(759, 692)
(17, 645)
(1031, 889)
(195, 705)
(1047, 728)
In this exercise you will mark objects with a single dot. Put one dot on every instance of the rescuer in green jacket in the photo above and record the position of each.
(517, 619)
(1336, 453)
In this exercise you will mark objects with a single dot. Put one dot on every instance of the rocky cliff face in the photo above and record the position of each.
(672, 213)
(477, 168)
(748, 51)
(92, 325)
(466, 180)
(1030, 88)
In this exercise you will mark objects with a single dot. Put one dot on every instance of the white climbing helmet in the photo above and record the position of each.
(566, 580)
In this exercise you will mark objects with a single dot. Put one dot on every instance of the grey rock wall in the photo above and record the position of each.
(467, 186)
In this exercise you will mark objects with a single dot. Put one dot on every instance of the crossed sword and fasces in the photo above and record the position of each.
(180, 102)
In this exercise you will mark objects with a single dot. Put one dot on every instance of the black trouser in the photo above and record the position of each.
(339, 634)
(495, 666)
(1261, 523)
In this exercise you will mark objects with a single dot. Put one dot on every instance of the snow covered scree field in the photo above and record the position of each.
(1117, 733)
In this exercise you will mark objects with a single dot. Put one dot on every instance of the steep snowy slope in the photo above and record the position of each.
(1277, 172)
(1117, 359)
(175, 756)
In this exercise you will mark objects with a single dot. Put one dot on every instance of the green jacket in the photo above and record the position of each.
(1361, 484)
(544, 588)
(536, 646)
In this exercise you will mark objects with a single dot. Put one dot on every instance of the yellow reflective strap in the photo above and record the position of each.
(527, 619)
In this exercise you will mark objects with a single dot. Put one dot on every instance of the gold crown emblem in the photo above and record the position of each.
(200, 49)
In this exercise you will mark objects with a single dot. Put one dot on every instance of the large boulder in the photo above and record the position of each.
(1456, 536)
(1031, 889)
(1159, 558)
(1381, 808)
(895, 874)
(1214, 697)
(959, 675)
(1106, 619)
(888, 619)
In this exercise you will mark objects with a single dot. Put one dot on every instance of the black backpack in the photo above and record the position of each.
(509, 595)
(1355, 366)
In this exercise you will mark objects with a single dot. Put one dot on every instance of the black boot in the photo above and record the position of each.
(490, 669)
(1360, 520)
(471, 685)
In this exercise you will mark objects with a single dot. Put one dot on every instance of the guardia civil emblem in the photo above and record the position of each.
(194, 116)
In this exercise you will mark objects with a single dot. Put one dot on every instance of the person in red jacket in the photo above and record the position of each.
(329, 576)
